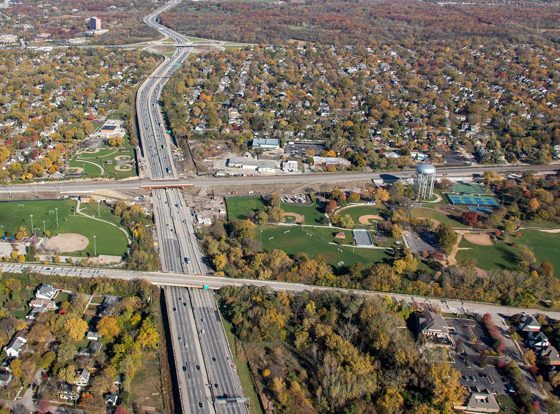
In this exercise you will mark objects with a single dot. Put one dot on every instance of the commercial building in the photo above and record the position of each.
(290, 166)
(252, 164)
(265, 144)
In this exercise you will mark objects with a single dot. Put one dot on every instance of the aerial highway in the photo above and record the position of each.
(287, 179)
(178, 248)
(213, 282)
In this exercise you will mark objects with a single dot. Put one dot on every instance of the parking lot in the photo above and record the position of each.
(478, 375)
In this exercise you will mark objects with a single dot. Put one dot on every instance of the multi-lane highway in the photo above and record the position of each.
(314, 178)
(193, 384)
(220, 367)
(206, 376)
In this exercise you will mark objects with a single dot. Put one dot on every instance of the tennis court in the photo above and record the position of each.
(468, 188)
(472, 200)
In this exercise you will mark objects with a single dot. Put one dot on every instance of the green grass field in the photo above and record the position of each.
(316, 242)
(312, 213)
(361, 210)
(109, 239)
(242, 207)
(117, 163)
(436, 215)
(503, 256)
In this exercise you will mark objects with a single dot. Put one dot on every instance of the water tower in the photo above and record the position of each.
(424, 181)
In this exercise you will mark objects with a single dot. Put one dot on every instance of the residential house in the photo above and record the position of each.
(68, 392)
(46, 291)
(537, 341)
(528, 323)
(108, 304)
(432, 327)
(82, 380)
(15, 347)
(43, 304)
(550, 356)
(5, 378)
(93, 336)
(111, 399)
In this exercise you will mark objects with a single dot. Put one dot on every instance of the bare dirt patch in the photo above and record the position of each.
(296, 218)
(75, 170)
(66, 243)
(480, 239)
(368, 218)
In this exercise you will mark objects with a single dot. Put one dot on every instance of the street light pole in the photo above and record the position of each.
(44, 230)
(56, 213)
(32, 228)
(94, 246)
(98, 213)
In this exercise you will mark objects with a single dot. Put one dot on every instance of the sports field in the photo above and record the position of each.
(242, 207)
(114, 163)
(363, 211)
(317, 242)
(473, 200)
(109, 240)
(436, 215)
(468, 188)
(501, 255)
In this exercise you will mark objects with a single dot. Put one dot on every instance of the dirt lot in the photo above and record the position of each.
(368, 218)
(481, 239)
(297, 218)
(66, 243)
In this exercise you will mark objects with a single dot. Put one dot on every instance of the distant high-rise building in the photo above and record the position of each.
(94, 23)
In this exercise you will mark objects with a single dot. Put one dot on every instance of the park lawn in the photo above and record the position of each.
(103, 163)
(497, 256)
(243, 370)
(312, 213)
(502, 256)
(315, 241)
(104, 212)
(13, 214)
(423, 212)
(546, 246)
(242, 207)
(360, 210)
(109, 239)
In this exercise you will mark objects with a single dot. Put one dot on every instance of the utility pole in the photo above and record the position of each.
(94, 246)
(44, 230)
(56, 213)
(98, 213)
(32, 229)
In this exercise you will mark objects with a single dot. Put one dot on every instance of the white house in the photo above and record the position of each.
(82, 380)
(15, 347)
(46, 291)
